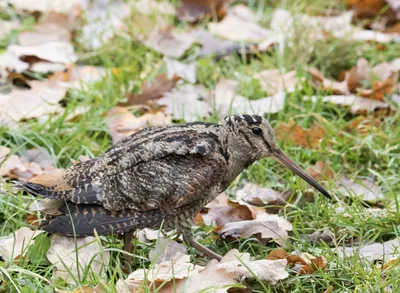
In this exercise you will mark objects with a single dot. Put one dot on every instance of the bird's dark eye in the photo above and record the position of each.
(257, 131)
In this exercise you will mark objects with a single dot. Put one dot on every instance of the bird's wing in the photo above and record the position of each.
(180, 189)
(111, 178)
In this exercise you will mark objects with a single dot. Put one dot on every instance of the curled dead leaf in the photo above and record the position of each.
(273, 81)
(241, 25)
(319, 81)
(295, 134)
(33, 163)
(152, 91)
(169, 41)
(240, 264)
(122, 123)
(277, 253)
(165, 250)
(195, 10)
(222, 210)
(303, 263)
(259, 196)
(357, 105)
(43, 98)
(32, 219)
(363, 125)
(306, 264)
(178, 267)
(268, 226)
(381, 88)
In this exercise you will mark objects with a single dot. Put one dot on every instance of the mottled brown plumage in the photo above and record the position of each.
(158, 175)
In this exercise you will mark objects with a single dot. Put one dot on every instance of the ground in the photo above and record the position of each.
(354, 154)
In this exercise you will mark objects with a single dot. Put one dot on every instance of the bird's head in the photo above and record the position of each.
(252, 136)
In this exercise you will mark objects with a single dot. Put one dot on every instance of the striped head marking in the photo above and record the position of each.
(251, 133)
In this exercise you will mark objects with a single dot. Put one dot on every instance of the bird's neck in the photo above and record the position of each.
(239, 157)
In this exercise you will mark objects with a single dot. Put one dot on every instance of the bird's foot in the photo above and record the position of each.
(128, 247)
(201, 248)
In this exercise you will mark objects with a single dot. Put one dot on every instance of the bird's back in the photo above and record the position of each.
(153, 172)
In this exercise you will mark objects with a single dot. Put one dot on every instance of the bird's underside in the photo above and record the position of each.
(150, 178)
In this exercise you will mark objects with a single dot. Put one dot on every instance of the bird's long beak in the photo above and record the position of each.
(282, 158)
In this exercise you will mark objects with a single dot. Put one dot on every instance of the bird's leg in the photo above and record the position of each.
(128, 247)
(188, 238)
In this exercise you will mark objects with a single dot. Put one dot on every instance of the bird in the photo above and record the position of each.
(158, 176)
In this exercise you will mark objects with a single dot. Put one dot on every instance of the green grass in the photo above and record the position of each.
(352, 154)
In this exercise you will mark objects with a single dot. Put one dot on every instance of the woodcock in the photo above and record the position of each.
(158, 176)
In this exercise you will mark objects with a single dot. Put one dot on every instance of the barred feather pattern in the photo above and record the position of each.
(157, 175)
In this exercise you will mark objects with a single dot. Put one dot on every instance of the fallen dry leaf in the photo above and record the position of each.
(222, 210)
(357, 74)
(357, 105)
(266, 270)
(67, 260)
(320, 27)
(178, 267)
(269, 227)
(147, 235)
(366, 189)
(14, 245)
(372, 251)
(295, 134)
(55, 51)
(176, 68)
(364, 125)
(152, 91)
(195, 10)
(277, 253)
(169, 41)
(188, 102)
(227, 102)
(33, 163)
(321, 171)
(165, 250)
(214, 45)
(44, 33)
(306, 264)
(122, 123)
(235, 28)
(319, 81)
(43, 98)
(256, 195)
(273, 81)
(77, 76)
(381, 88)
(369, 9)
(354, 80)
(208, 278)
(32, 219)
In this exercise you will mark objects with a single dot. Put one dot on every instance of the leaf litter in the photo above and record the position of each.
(363, 85)
(216, 276)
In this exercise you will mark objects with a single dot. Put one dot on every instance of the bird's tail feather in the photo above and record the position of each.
(82, 220)
(50, 185)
